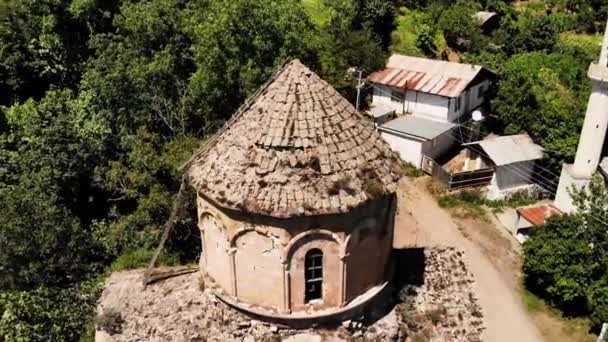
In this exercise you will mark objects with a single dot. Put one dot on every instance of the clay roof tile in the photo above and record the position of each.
(282, 152)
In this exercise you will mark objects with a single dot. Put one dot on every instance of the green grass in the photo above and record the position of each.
(532, 6)
(319, 14)
(568, 329)
(473, 204)
(140, 258)
(476, 198)
(580, 43)
(533, 302)
(404, 37)
(411, 171)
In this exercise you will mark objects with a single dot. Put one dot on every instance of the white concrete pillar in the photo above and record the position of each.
(590, 145)
(593, 134)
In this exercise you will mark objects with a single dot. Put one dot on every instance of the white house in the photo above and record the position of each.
(514, 160)
(433, 89)
(435, 95)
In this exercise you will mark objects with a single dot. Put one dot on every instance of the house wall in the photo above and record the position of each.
(215, 245)
(409, 149)
(512, 178)
(431, 106)
(259, 260)
(382, 95)
(439, 146)
(513, 175)
(474, 101)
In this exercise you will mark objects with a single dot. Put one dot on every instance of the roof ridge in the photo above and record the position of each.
(207, 145)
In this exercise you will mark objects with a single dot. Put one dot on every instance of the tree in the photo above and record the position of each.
(48, 153)
(139, 74)
(532, 33)
(566, 260)
(376, 15)
(46, 314)
(544, 95)
(44, 45)
(459, 26)
(555, 263)
(342, 48)
(425, 41)
(239, 46)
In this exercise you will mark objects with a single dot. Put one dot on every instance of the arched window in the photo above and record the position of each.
(313, 276)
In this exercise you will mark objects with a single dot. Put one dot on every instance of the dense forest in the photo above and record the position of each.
(102, 100)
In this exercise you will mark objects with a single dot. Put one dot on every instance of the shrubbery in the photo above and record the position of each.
(566, 260)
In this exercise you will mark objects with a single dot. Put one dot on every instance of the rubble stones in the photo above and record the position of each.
(443, 308)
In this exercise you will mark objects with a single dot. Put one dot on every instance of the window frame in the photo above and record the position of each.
(313, 275)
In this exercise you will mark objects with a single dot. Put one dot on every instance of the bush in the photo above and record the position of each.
(476, 198)
(411, 171)
(109, 321)
(374, 188)
(47, 314)
(139, 258)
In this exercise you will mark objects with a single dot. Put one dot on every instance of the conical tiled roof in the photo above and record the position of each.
(297, 148)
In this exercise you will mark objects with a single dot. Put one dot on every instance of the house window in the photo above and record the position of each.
(313, 275)
(480, 91)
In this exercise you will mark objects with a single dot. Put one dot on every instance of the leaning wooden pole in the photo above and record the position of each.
(167, 229)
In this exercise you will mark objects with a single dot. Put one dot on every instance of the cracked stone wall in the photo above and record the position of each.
(259, 269)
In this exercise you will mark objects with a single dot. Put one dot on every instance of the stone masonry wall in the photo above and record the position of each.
(260, 260)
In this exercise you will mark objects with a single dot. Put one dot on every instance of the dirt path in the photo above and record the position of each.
(504, 315)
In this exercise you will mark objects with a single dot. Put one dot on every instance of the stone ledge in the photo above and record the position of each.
(355, 308)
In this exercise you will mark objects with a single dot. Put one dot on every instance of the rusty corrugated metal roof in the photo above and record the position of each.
(537, 215)
(426, 75)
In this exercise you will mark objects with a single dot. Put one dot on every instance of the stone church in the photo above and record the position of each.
(296, 201)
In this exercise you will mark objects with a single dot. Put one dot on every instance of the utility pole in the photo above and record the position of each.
(359, 86)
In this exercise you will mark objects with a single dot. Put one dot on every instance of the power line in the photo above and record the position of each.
(550, 181)
(522, 173)
(523, 177)
(545, 169)
(539, 179)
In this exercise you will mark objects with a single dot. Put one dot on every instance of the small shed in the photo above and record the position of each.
(488, 21)
(514, 159)
(413, 137)
(531, 217)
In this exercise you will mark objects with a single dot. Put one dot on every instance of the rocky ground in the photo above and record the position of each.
(443, 305)
(434, 303)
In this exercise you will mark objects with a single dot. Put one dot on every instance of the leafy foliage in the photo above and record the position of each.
(459, 27)
(544, 95)
(46, 314)
(565, 261)
(103, 101)
(425, 41)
